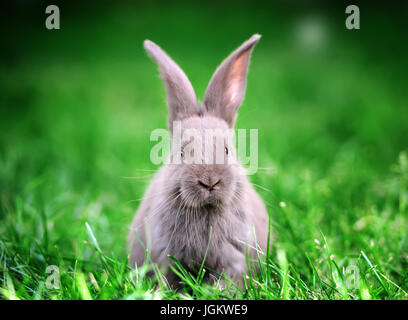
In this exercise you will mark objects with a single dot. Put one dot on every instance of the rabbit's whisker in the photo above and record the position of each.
(261, 187)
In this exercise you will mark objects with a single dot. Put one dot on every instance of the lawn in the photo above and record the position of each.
(77, 106)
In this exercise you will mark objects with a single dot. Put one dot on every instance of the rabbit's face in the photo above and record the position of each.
(208, 172)
(203, 179)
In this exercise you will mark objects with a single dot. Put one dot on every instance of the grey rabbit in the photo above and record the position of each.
(197, 211)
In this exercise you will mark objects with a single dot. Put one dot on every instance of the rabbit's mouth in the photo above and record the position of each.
(199, 200)
(212, 201)
(199, 196)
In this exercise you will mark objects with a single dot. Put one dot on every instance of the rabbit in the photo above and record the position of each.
(201, 213)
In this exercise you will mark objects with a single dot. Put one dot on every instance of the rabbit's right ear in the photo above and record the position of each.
(226, 89)
(181, 98)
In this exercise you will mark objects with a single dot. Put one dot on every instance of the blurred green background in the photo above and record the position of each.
(77, 106)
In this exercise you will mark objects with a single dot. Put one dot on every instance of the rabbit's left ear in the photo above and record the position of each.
(226, 89)
(181, 99)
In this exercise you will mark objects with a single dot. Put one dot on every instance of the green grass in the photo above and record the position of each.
(77, 107)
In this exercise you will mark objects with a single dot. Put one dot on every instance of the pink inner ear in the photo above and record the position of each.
(237, 79)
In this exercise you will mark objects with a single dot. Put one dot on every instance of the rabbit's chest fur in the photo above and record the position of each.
(218, 235)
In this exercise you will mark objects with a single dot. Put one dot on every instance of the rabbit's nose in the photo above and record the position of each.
(208, 186)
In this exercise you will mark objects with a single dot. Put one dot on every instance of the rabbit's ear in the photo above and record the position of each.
(181, 99)
(226, 89)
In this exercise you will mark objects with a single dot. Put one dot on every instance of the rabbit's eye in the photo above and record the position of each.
(182, 153)
(226, 150)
